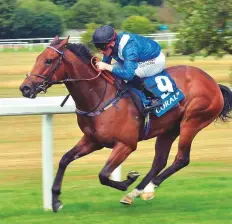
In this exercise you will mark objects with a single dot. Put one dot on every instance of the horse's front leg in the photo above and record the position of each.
(84, 147)
(119, 153)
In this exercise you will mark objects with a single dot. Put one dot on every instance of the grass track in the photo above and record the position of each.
(198, 194)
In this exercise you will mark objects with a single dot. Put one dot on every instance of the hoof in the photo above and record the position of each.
(133, 175)
(57, 206)
(127, 200)
(147, 195)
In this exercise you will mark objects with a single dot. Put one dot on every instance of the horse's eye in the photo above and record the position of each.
(48, 61)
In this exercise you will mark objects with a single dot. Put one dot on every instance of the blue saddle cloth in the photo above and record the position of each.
(164, 87)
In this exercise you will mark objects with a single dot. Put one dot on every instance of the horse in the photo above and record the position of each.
(110, 119)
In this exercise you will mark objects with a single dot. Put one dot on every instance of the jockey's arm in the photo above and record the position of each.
(127, 70)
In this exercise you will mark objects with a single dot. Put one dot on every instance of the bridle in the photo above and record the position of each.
(47, 80)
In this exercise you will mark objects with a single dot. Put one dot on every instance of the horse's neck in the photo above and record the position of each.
(87, 94)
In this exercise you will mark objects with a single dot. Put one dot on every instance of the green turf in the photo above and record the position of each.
(200, 193)
(188, 197)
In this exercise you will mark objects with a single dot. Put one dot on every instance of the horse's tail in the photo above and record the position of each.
(227, 95)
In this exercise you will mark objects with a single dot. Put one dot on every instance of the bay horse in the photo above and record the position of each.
(109, 120)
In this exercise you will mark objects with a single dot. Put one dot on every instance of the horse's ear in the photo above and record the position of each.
(67, 38)
(65, 41)
(55, 40)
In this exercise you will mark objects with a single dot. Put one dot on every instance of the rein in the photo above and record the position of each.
(105, 74)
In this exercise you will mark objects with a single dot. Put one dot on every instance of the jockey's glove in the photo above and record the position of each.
(104, 66)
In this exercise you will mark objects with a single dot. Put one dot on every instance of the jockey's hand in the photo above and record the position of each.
(104, 66)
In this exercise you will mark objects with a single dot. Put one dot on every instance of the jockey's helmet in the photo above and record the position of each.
(103, 36)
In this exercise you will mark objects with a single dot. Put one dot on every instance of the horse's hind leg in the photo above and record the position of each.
(189, 129)
(162, 149)
(84, 147)
(199, 113)
(119, 153)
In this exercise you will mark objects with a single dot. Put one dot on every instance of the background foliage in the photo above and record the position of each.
(7, 9)
(74, 14)
(65, 3)
(204, 27)
(26, 24)
(144, 10)
(138, 24)
(91, 11)
(88, 36)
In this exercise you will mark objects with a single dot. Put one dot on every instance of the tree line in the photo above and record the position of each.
(204, 26)
(22, 18)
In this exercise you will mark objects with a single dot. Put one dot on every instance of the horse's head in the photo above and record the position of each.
(48, 68)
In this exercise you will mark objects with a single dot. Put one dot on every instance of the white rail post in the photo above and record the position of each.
(47, 160)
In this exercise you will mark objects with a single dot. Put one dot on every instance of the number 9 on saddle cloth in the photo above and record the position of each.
(161, 86)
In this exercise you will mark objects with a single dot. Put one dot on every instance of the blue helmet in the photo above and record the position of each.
(103, 35)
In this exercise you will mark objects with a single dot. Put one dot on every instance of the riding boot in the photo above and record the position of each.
(151, 92)
(155, 101)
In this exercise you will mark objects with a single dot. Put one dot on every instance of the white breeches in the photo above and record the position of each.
(151, 67)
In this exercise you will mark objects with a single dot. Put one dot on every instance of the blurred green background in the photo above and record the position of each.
(206, 30)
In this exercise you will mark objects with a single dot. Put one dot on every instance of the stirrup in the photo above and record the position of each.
(155, 103)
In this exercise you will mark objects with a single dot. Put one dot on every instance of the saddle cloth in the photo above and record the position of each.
(164, 87)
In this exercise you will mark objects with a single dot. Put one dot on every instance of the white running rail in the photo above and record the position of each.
(45, 106)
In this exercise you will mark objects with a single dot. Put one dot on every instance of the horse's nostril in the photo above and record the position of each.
(24, 88)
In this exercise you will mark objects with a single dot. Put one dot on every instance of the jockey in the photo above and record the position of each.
(137, 58)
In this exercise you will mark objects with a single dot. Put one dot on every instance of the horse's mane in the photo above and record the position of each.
(80, 50)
